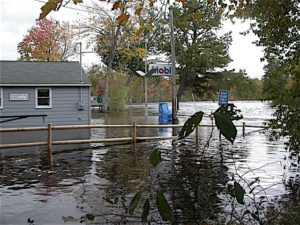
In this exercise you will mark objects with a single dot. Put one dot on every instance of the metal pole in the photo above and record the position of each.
(174, 103)
(146, 91)
(80, 60)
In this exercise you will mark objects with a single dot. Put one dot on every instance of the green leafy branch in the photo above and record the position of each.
(250, 195)
(162, 204)
(223, 117)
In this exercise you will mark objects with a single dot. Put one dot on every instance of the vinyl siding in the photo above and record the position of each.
(64, 109)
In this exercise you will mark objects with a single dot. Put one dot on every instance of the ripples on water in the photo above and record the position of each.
(193, 179)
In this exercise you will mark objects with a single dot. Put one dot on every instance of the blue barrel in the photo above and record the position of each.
(165, 113)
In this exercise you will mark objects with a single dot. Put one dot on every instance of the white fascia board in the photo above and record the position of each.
(45, 85)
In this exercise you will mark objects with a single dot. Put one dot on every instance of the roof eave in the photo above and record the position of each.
(46, 85)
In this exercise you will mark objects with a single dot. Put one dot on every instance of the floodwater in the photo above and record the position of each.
(102, 180)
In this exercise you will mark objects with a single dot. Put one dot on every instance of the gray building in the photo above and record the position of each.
(37, 93)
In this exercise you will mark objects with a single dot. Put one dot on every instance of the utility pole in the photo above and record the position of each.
(80, 60)
(174, 99)
(146, 91)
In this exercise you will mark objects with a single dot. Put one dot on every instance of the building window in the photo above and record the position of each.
(1, 98)
(43, 98)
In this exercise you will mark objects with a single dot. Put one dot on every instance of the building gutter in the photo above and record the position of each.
(45, 85)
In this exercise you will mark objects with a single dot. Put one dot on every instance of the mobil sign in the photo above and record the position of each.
(161, 69)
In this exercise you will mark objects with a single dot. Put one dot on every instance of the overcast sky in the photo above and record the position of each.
(17, 16)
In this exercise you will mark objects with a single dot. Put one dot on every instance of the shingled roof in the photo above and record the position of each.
(21, 73)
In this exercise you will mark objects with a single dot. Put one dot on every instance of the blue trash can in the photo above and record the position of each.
(165, 114)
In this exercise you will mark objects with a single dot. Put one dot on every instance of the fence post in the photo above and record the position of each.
(49, 141)
(244, 128)
(134, 132)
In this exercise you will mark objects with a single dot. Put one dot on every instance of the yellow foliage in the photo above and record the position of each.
(182, 1)
(138, 11)
(123, 18)
(197, 16)
(77, 1)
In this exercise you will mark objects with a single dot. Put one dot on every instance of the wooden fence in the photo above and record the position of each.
(134, 138)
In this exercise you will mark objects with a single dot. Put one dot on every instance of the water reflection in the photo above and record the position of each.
(29, 189)
(103, 180)
(195, 185)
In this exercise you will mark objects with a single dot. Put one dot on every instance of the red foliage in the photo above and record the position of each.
(47, 41)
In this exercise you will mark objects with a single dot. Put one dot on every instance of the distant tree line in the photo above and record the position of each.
(159, 89)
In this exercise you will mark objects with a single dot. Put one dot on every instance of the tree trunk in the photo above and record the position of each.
(109, 68)
(181, 89)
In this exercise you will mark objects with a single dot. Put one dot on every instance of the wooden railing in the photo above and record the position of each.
(134, 138)
(50, 128)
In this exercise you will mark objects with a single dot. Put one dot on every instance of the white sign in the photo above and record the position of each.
(18, 97)
(161, 69)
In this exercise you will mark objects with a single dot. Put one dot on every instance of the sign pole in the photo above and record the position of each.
(145, 81)
(174, 102)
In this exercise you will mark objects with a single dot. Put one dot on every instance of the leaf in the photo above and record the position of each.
(48, 7)
(224, 168)
(226, 126)
(108, 200)
(138, 11)
(90, 217)
(239, 193)
(155, 157)
(146, 209)
(246, 212)
(77, 1)
(197, 16)
(210, 1)
(30, 221)
(70, 219)
(134, 202)
(139, 32)
(255, 216)
(116, 5)
(123, 18)
(150, 27)
(163, 206)
(151, 3)
(116, 200)
(190, 124)
(253, 182)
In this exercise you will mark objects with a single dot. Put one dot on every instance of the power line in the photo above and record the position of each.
(68, 7)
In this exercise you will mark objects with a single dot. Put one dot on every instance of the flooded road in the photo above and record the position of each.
(102, 181)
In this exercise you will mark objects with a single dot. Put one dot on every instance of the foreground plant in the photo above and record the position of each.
(223, 117)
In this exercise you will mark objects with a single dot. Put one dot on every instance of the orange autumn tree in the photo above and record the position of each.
(48, 40)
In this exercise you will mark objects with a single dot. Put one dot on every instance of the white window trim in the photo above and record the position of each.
(36, 99)
(1, 100)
